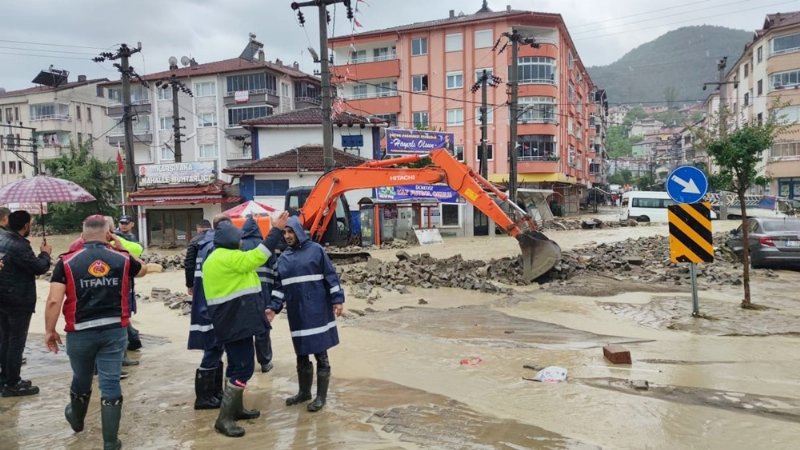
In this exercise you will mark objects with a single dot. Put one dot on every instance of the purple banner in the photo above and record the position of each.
(412, 142)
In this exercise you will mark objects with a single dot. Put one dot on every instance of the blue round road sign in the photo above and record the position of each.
(687, 184)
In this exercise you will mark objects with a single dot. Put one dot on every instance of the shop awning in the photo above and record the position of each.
(181, 201)
(176, 195)
(534, 178)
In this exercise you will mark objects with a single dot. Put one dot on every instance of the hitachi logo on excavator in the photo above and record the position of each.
(402, 177)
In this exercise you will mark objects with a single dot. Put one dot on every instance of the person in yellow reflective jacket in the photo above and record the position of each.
(233, 295)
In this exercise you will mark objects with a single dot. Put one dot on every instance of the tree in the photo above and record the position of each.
(671, 96)
(97, 177)
(618, 144)
(737, 154)
(645, 182)
(634, 115)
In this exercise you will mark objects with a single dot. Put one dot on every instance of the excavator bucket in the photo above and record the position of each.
(539, 254)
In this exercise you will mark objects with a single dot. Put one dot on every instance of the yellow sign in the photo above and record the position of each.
(690, 233)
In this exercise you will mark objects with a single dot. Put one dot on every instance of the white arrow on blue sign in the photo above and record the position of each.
(687, 184)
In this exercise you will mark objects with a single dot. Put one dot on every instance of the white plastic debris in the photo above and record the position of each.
(551, 374)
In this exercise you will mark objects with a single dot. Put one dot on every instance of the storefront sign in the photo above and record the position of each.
(410, 142)
(195, 172)
(411, 192)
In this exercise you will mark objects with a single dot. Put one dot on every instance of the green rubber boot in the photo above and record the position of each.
(75, 411)
(226, 421)
(110, 414)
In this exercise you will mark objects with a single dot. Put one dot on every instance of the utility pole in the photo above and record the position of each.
(15, 145)
(723, 95)
(485, 80)
(177, 86)
(514, 38)
(124, 53)
(327, 122)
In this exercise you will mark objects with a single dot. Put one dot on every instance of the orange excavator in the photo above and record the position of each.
(318, 208)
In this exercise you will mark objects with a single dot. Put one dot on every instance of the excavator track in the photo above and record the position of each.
(539, 254)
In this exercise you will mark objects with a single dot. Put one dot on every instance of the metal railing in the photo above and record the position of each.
(369, 59)
(51, 117)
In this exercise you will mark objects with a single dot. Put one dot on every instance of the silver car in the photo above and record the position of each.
(773, 242)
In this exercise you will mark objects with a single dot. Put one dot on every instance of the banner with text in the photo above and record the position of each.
(195, 172)
(411, 142)
(412, 192)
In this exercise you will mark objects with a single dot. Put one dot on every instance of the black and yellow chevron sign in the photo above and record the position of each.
(690, 233)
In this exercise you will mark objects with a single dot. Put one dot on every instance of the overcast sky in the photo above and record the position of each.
(210, 30)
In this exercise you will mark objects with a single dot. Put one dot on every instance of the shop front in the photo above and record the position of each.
(173, 198)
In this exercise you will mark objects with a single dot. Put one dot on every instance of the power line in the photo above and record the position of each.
(45, 50)
(593, 24)
(44, 56)
(53, 45)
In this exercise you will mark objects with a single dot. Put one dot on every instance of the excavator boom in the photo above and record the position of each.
(539, 254)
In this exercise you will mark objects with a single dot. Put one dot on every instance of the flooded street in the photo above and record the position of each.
(443, 368)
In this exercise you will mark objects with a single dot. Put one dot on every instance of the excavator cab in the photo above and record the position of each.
(338, 235)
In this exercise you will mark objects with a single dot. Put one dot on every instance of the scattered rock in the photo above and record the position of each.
(422, 301)
(640, 385)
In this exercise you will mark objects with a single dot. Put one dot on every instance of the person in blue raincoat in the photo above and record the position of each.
(309, 286)
(251, 237)
(208, 377)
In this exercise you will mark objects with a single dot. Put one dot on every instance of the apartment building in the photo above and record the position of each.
(764, 82)
(63, 114)
(421, 75)
(224, 94)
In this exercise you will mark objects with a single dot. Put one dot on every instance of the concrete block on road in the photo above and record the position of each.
(617, 354)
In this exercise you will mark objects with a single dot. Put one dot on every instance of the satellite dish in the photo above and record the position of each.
(185, 60)
(173, 61)
(314, 54)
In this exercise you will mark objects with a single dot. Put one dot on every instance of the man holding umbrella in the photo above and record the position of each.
(18, 299)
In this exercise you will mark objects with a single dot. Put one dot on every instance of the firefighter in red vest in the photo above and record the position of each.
(93, 285)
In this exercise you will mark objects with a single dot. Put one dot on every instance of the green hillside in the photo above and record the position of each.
(683, 59)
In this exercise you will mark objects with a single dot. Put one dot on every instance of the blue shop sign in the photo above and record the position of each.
(411, 192)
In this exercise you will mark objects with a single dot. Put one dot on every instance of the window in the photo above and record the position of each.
(785, 149)
(420, 119)
(89, 113)
(98, 90)
(360, 91)
(458, 152)
(479, 73)
(760, 87)
(489, 152)
(455, 80)
(115, 95)
(78, 112)
(789, 114)
(455, 117)
(255, 83)
(537, 69)
(358, 56)
(236, 115)
(537, 147)
(537, 109)
(785, 44)
(205, 120)
(275, 188)
(483, 38)
(571, 125)
(167, 154)
(644, 202)
(16, 114)
(387, 89)
(419, 46)
(746, 70)
(391, 118)
(208, 151)
(746, 99)
(166, 123)
(419, 83)
(571, 156)
(45, 111)
(785, 79)
(454, 42)
(284, 89)
(164, 93)
(383, 53)
(489, 114)
(570, 60)
(80, 139)
(760, 119)
(205, 89)
(451, 215)
(759, 54)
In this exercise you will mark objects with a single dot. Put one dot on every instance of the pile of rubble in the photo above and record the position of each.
(588, 224)
(172, 300)
(644, 260)
(174, 262)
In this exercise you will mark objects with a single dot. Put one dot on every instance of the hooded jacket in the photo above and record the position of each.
(231, 285)
(201, 329)
(18, 277)
(251, 237)
(309, 286)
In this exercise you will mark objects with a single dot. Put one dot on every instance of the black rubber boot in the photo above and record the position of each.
(110, 413)
(205, 389)
(75, 411)
(226, 421)
(219, 383)
(323, 381)
(305, 376)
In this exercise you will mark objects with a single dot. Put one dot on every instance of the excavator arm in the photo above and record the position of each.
(539, 254)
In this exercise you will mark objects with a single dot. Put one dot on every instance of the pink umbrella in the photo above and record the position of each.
(250, 207)
(44, 189)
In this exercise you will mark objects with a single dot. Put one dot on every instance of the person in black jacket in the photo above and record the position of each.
(4, 212)
(18, 299)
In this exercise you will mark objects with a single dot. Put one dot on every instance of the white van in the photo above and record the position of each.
(647, 206)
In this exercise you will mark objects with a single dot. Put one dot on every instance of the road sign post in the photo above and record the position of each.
(689, 222)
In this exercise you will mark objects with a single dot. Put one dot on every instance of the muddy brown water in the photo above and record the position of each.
(398, 382)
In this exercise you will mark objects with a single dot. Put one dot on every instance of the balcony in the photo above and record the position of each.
(306, 102)
(141, 106)
(253, 97)
(374, 104)
(369, 69)
(537, 164)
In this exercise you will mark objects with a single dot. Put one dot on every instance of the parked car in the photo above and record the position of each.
(773, 242)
